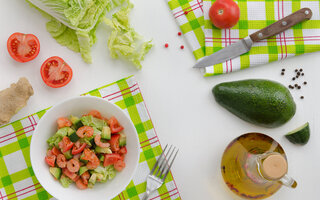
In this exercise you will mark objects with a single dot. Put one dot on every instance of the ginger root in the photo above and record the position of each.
(14, 98)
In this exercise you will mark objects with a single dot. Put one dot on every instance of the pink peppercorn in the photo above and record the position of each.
(181, 47)
(166, 45)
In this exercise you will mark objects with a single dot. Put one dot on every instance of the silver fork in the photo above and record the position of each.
(155, 180)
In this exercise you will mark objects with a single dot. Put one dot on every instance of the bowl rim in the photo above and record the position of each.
(82, 97)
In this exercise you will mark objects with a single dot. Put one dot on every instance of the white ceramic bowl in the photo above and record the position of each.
(47, 126)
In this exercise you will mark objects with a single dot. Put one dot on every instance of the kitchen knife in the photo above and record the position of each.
(244, 45)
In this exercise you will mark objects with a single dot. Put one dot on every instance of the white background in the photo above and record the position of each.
(178, 97)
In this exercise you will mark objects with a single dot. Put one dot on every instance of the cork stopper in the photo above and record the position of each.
(274, 166)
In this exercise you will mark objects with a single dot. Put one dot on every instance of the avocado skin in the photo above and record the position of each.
(262, 102)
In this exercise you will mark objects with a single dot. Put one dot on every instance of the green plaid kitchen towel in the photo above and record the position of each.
(255, 15)
(17, 177)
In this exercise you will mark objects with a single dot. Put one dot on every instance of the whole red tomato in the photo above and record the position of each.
(224, 13)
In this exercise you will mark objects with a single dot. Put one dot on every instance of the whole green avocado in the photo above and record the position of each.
(258, 101)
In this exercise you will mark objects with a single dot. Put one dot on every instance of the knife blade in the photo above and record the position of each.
(244, 45)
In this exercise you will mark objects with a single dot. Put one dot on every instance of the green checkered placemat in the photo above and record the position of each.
(17, 177)
(254, 15)
(189, 15)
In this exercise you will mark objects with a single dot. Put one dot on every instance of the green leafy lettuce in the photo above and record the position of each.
(83, 16)
(93, 122)
(124, 41)
(107, 172)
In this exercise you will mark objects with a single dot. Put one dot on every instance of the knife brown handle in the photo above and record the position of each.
(282, 25)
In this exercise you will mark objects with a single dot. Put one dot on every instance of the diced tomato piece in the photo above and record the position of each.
(73, 176)
(115, 127)
(81, 185)
(63, 122)
(65, 144)
(55, 151)
(114, 142)
(50, 160)
(77, 150)
(110, 159)
(119, 165)
(123, 151)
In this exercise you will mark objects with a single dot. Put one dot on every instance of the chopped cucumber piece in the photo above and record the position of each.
(55, 171)
(76, 122)
(74, 137)
(101, 157)
(103, 150)
(106, 133)
(122, 140)
(300, 135)
(68, 154)
(65, 181)
(82, 170)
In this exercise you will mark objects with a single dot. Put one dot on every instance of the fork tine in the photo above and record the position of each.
(162, 162)
(156, 164)
(168, 168)
(165, 164)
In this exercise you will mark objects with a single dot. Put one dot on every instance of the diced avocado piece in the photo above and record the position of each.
(300, 135)
(106, 133)
(103, 150)
(93, 178)
(65, 181)
(84, 161)
(55, 171)
(76, 122)
(258, 101)
(82, 170)
(122, 140)
(68, 154)
(96, 131)
(74, 137)
(88, 140)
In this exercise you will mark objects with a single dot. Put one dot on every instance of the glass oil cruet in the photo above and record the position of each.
(254, 166)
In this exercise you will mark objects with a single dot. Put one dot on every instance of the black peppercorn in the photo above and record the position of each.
(302, 97)
(301, 70)
(296, 70)
(302, 74)
(294, 78)
(305, 83)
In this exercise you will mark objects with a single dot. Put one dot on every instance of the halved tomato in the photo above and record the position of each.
(23, 47)
(55, 72)
(114, 142)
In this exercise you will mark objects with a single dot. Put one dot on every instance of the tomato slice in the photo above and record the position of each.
(50, 160)
(119, 165)
(76, 150)
(114, 125)
(55, 151)
(114, 142)
(55, 72)
(65, 144)
(23, 47)
(110, 159)
(123, 151)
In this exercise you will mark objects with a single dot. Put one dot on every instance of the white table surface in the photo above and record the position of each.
(179, 98)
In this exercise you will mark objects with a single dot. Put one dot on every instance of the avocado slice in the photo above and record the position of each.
(65, 181)
(106, 133)
(300, 135)
(122, 140)
(262, 102)
(68, 154)
(103, 150)
(93, 178)
(55, 171)
(82, 170)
